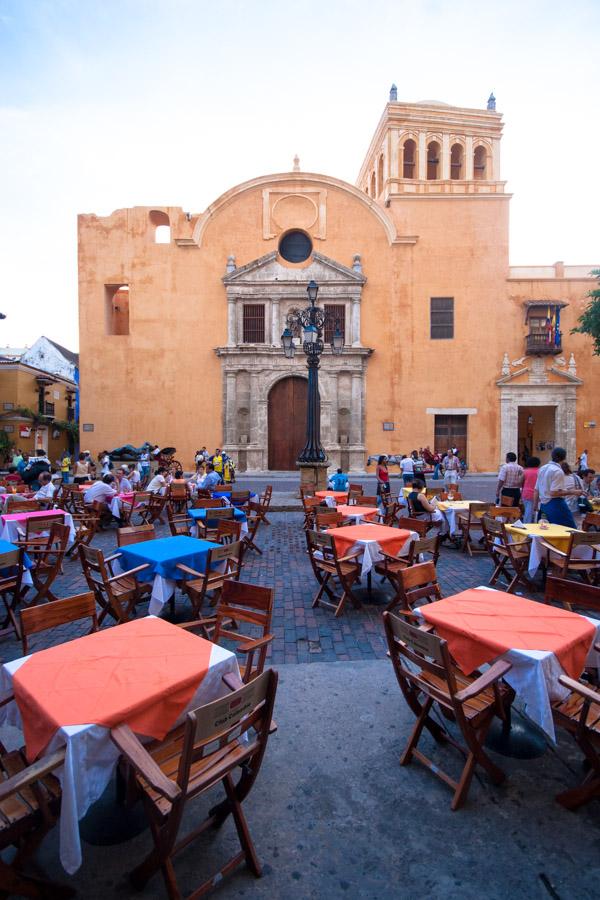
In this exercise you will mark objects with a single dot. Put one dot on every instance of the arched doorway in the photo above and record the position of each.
(287, 422)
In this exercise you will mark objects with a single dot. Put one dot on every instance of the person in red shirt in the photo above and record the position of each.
(530, 474)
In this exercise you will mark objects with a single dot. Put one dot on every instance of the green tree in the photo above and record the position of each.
(589, 320)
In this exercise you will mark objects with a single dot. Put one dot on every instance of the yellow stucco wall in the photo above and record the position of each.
(18, 386)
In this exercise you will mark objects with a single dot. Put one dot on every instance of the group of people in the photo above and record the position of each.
(221, 463)
(552, 491)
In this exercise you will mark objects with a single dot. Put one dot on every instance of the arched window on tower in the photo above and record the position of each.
(480, 163)
(457, 162)
(372, 184)
(380, 175)
(433, 161)
(162, 226)
(409, 157)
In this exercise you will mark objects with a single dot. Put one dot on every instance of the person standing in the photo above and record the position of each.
(407, 466)
(145, 464)
(83, 470)
(583, 461)
(530, 474)
(510, 479)
(451, 467)
(383, 477)
(104, 460)
(550, 491)
(574, 484)
(65, 466)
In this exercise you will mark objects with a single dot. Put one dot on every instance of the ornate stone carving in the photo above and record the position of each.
(572, 370)
(505, 365)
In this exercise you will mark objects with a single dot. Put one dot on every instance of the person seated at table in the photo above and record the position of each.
(13, 476)
(125, 486)
(47, 489)
(158, 484)
(177, 477)
(37, 464)
(103, 491)
(338, 482)
(550, 491)
(83, 469)
(420, 505)
(590, 484)
(211, 479)
(135, 478)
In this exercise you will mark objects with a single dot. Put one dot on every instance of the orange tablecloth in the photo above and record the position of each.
(367, 512)
(482, 625)
(143, 673)
(337, 495)
(392, 540)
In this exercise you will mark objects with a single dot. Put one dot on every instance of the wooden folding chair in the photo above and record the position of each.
(216, 743)
(228, 531)
(207, 530)
(413, 583)
(329, 519)
(135, 507)
(356, 489)
(572, 593)
(510, 558)
(153, 509)
(30, 797)
(116, 595)
(37, 529)
(471, 529)
(421, 516)
(86, 526)
(307, 490)
(566, 562)
(240, 602)
(310, 506)
(353, 496)
(504, 513)
(390, 565)
(255, 517)
(427, 675)
(364, 500)
(579, 714)
(223, 563)
(506, 501)
(36, 619)
(239, 499)
(48, 559)
(135, 534)
(412, 524)
(11, 564)
(208, 503)
(17, 506)
(265, 502)
(178, 523)
(329, 566)
(591, 522)
(178, 496)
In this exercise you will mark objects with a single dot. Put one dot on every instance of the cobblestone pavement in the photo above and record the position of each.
(302, 634)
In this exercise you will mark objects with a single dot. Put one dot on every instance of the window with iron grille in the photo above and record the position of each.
(336, 315)
(254, 323)
(442, 318)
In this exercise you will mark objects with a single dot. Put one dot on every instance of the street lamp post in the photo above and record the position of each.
(312, 321)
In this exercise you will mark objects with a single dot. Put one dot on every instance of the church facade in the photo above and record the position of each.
(181, 314)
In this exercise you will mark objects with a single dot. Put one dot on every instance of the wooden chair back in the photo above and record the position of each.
(37, 526)
(435, 491)
(222, 489)
(36, 619)
(227, 554)
(266, 496)
(507, 501)
(423, 547)
(311, 505)
(224, 739)
(454, 495)
(17, 506)
(239, 498)
(115, 594)
(307, 490)
(208, 503)
(355, 488)
(418, 582)
(591, 522)
(217, 513)
(572, 593)
(228, 531)
(354, 496)
(11, 576)
(364, 500)
(178, 491)
(135, 534)
(412, 524)
(326, 565)
(179, 523)
(252, 605)
(329, 519)
(507, 513)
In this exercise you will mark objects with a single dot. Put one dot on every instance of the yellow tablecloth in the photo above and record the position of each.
(406, 491)
(557, 535)
(445, 505)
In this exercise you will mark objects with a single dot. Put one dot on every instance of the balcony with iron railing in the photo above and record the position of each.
(538, 343)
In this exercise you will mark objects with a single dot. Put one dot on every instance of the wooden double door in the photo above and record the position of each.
(287, 422)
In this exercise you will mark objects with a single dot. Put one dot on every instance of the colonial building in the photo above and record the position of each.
(181, 314)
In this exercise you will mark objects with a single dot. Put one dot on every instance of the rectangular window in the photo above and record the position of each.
(254, 323)
(336, 315)
(9, 428)
(442, 318)
(116, 309)
(8, 405)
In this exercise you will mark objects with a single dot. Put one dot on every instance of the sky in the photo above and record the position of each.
(107, 104)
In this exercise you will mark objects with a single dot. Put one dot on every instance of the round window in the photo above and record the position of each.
(295, 246)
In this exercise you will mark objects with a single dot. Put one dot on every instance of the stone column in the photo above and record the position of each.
(445, 151)
(254, 408)
(469, 157)
(334, 437)
(509, 425)
(231, 329)
(422, 170)
(275, 327)
(230, 409)
(356, 322)
(356, 409)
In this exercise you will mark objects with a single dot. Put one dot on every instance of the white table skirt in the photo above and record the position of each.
(371, 551)
(534, 678)
(539, 554)
(13, 530)
(91, 755)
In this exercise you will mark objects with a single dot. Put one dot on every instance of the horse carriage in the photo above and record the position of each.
(166, 458)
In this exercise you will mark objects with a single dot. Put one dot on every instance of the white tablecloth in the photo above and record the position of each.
(13, 529)
(539, 554)
(534, 679)
(371, 551)
(91, 755)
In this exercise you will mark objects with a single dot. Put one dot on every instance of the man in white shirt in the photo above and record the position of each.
(124, 482)
(135, 478)
(408, 469)
(451, 467)
(103, 490)
(158, 484)
(46, 491)
(550, 491)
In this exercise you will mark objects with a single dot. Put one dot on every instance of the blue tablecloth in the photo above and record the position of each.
(7, 547)
(200, 514)
(217, 494)
(163, 554)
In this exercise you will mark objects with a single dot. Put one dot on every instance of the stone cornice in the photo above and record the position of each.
(255, 351)
(239, 276)
(303, 179)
